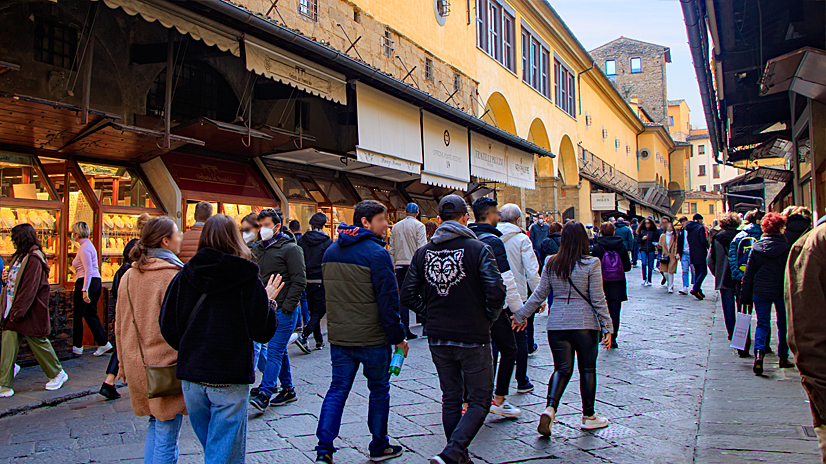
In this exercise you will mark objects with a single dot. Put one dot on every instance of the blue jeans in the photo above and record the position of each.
(763, 308)
(161, 445)
(219, 418)
(729, 309)
(305, 311)
(345, 361)
(647, 264)
(688, 269)
(278, 363)
(259, 357)
(700, 273)
(635, 254)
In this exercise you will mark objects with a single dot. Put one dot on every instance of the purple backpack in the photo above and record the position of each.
(612, 270)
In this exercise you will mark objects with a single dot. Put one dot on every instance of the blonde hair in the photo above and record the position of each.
(81, 229)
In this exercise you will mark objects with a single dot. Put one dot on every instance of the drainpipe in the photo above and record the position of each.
(579, 87)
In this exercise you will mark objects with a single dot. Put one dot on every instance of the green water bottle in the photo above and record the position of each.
(396, 362)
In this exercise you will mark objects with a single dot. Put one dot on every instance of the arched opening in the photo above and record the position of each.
(199, 90)
(538, 135)
(567, 166)
(674, 185)
(569, 214)
(498, 112)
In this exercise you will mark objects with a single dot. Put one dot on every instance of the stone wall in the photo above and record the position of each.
(649, 86)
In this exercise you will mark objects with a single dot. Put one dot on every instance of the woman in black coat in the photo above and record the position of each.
(615, 291)
(647, 238)
(550, 246)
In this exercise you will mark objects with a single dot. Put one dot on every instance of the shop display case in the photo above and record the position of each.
(27, 197)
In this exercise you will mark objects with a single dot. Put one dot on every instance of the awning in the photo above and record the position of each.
(802, 71)
(488, 158)
(233, 139)
(287, 68)
(446, 153)
(185, 21)
(122, 142)
(521, 169)
(6, 67)
(220, 177)
(314, 157)
(389, 133)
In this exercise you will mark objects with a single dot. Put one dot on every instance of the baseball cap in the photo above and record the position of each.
(411, 208)
(452, 204)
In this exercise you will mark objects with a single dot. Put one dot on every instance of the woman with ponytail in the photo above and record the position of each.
(140, 295)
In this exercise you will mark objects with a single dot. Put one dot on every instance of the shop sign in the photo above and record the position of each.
(521, 169)
(603, 202)
(197, 173)
(488, 158)
(623, 205)
(389, 131)
(293, 70)
(446, 153)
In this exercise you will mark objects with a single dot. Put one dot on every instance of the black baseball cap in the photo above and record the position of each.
(452, 204)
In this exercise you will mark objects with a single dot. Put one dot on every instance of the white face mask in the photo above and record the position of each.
(249, 236)
(266, 233)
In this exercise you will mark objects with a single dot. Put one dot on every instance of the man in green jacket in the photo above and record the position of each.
(278, 253)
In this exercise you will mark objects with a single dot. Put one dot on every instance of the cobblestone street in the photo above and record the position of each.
(674, 392)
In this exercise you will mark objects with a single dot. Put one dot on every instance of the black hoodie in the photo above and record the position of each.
(697, 242)
(796, 226)
(614, 291)
(766, 268)
(217, 347)
(489, 235)
(314, 243)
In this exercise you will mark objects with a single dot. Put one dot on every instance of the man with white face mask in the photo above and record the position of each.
(314, 243)
(278, 254)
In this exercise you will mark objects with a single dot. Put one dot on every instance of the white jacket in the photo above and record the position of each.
(521, 258)
(406, 236)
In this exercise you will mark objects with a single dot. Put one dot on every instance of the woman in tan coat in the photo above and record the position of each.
(140, 295)
(668, 245)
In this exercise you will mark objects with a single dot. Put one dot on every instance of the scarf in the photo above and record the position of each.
(164, 254)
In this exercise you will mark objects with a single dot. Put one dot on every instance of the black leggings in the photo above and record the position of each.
(88, 311)
(318, 308)
(564, 343)
(614, 308)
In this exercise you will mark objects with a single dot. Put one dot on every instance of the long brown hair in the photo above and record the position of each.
(643, 226)
(221, 233)
(24, 238)
(152, 235)
(573, 248)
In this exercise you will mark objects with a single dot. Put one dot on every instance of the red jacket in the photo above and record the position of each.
(29, 314)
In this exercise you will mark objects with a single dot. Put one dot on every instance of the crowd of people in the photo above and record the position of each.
(197, 313)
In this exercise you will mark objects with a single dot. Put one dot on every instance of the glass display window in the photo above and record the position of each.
(302, 212)
(118, 230)
(21, 177)
(239, 212)
(292, 188)
(79, 209)
(46, 223)
(190, 212)
(117, 186)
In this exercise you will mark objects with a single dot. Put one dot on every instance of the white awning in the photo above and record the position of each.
(287, 68)
(521, 169)
(446, 153)
(186, 22)
(488, 158)
(389, 131)
(313, 157)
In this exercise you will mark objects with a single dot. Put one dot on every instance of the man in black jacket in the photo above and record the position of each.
(698, 250)
(501, 333)
(314, 243)
(455, 282)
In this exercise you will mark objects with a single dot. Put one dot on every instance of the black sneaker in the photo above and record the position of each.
(319, 346)
(109, 391)
(663, 281)
(326, 458)
(411, 336)
(614, 344)
(283, 397)
(389, 452)
(533, 350)
(260, 401)
(525, 388)
(303, 344)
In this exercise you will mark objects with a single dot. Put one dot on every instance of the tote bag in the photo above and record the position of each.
(741, 331)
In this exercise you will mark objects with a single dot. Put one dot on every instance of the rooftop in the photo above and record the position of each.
(675, 102)
(699, 195)
(666, 50)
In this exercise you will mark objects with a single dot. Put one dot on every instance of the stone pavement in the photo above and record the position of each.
(673, 391)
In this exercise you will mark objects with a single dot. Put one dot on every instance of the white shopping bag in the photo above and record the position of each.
(741, 331)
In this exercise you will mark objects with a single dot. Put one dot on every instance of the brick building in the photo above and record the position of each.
(637, 70)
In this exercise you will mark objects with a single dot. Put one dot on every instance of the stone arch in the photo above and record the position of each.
(498, 112)
(567, 165)
(674, 185)
(539, 135)
(192, 78)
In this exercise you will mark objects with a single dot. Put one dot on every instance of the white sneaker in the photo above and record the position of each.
(670, 290)
(58, 381)
(546, 421)
(594, 422)
(506, 409)
(77, 351)
(293, 338)
(6, 392)
(644, 283)
(437, 460)
(102, 349)
(16, 370)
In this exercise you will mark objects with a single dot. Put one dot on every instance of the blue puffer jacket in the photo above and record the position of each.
(361, 291)
(753, 230)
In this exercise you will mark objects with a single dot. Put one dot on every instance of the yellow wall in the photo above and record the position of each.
(655, 168)
(679, 161)
(680, 114)
(703, 205)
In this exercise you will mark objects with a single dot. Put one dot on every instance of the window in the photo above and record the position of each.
(690, 208)
(495, 32)
(702, 170)
(536, 64)
(611, 68)
(703, 188)
(636, 65)
(387, 43)
(54, 43)
(564, 88)
(711, 208)
(457, 82)
(701, 149)
(428, 69)
(715, 171)
(308, 9)
(717, 187)
(671, 121)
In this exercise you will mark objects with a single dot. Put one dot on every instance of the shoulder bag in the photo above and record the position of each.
(160, 380)
(594, 308)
